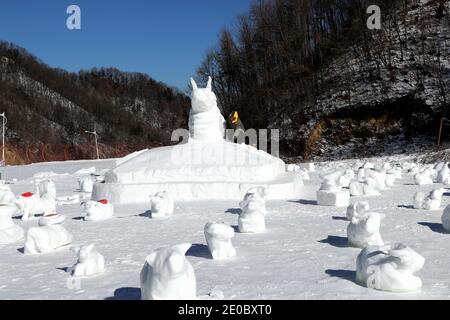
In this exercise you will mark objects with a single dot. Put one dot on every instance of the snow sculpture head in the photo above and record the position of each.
(218, 237)
(45, 188)
(168, 275)
(203, 99)
(89, 263)
(389, 268)
(98, 210)
(364, 227)
(252, 218)
(331, 183)
(359, 207)
(162, 205)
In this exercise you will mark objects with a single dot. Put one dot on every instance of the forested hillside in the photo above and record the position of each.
(49, 110)
(333, 87)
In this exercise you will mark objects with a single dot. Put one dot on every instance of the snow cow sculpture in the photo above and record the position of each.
(46, 239)
(364, 227)
(6, 195)
(30, 205)
(9, 232)
(252, 218)
(98, 210)
(389, 268)
(162, 205)
(168, 275)
(86, 184)
(331, 193)
(218, 237)
(45, 188)
(431, 201)
(89, 263)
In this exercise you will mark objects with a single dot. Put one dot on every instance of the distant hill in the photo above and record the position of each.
(334, 88)
(50, 109)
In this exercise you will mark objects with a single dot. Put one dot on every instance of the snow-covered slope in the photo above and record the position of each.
(302, 255)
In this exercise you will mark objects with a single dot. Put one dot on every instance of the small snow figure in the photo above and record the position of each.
(9, 232)
(443, 174)
(331, 193)
(252, 218)
(6, 195)
(86, 184)
(218, 237)
(98, 210)
(31, 205)
(360, 206)
(431, 201)
(168, 275)
(364, 227)
(446, 219)
(162, 205)
(46, 239)
(423, 178)
(45, 188)
(389, 268)
(90, 262)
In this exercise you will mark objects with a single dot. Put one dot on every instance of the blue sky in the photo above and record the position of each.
(165, 38)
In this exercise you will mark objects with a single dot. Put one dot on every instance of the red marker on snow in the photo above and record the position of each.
(103, 201)
(27, 194)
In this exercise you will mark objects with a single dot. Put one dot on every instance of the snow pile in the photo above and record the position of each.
(162, 205)
(30, 205)
(389, 268)
(168, 275)
(446, 219)
(252, 218)
(9, 232)
(6, 195)
(331, 193)
(218, 237)
(89, 263)
(304, 174)
(429, 201)
(364, 227)
(98, 210)
(46, 239)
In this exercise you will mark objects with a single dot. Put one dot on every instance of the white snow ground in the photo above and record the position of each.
(303, 254)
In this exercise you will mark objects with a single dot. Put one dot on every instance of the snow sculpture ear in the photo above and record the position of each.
(194, 84)
(152, 258)
(182, 248)
(209, 85)
(90, 247)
